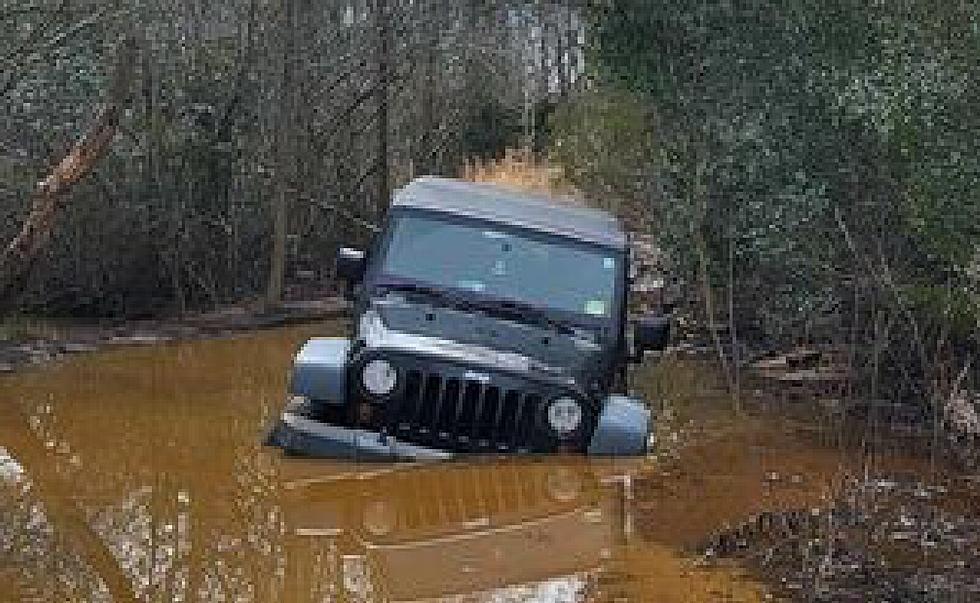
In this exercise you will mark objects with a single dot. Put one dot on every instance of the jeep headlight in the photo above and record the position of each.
(564, 415)
(379, 377)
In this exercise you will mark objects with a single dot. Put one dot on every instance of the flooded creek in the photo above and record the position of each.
(138, 474)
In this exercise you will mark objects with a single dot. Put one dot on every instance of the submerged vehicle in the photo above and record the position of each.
(485, 321)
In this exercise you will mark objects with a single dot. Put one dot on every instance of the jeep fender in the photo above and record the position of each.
(623, 428)
(320, 370)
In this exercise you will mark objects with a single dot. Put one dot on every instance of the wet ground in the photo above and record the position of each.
(138, 474)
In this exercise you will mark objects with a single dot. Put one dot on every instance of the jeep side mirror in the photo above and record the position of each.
(651, 334)
(350, 264)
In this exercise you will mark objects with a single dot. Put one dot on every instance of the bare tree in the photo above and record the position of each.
(51, 194)
(286, 166)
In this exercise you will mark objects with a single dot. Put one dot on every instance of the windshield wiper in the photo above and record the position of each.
(435, 293)
(502, 308)
(527, 312)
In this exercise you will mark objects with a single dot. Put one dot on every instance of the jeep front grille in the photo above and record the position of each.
(463, 414)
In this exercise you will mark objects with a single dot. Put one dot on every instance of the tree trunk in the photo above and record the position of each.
(384, 32)
(277, 260)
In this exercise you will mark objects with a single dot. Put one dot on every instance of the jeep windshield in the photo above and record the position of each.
(487, 261)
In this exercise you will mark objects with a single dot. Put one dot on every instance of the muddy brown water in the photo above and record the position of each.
(138, 474)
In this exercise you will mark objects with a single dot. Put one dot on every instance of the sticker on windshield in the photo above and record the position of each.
(595, 307)
(493, 234)
(608, 263)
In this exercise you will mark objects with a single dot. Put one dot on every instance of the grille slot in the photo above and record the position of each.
(464, 414)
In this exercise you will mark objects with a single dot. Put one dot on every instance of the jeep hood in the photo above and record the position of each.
(480, 339)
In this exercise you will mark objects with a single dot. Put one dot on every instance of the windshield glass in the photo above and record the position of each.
(493, 261)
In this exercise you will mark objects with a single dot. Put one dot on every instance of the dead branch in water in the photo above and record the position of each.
(50, 195)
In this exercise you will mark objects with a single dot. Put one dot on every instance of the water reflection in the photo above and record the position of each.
(137, 474)
(35, 562)
(425, 532)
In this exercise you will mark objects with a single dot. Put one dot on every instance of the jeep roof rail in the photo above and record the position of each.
(512, 207)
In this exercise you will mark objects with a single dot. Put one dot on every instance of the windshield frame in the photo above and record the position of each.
(373, 273)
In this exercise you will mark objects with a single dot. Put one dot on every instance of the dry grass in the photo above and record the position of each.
(521, 169)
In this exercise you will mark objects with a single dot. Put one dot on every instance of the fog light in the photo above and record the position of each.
(379, 377)
(564, 416)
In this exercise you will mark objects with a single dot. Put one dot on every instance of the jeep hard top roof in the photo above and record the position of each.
(514, 208)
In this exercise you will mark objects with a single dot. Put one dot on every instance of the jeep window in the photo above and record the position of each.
(470, 255)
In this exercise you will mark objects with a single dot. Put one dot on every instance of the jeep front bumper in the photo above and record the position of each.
(298, 434)
(623, 429)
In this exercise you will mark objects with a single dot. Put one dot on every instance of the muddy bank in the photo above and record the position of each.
(61, 339)
(890, 538)
(818, 505)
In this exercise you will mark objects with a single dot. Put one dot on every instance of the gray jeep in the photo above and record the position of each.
(485, 321)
